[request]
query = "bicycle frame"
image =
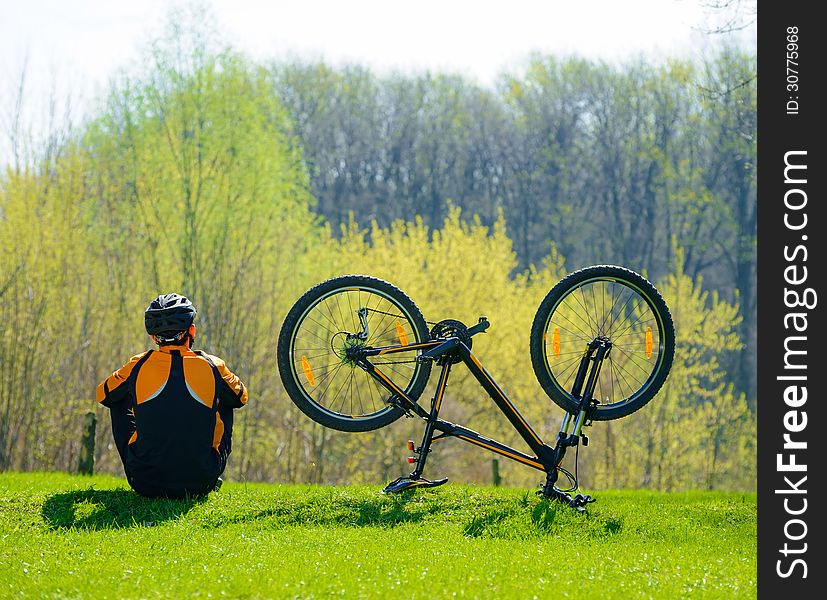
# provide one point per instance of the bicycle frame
(445, 351)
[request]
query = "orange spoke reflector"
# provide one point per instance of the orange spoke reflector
(400, 332)
(649, 342)
(308, 372)
(555, 342)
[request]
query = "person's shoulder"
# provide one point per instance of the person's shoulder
(217, 361)
(138, 357)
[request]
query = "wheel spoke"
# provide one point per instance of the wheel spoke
(605, 306)
(321, 350)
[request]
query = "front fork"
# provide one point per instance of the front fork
(583, 389)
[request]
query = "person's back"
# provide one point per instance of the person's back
(172, 408)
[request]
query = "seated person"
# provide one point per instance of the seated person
(172, 408)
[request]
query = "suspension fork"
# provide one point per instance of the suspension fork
(583, 389)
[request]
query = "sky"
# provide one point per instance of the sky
(75, 46)
(92, 38)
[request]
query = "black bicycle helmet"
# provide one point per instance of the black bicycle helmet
(168, 315)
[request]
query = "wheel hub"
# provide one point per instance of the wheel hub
(348, 347)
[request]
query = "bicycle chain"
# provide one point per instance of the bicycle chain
(382, 312)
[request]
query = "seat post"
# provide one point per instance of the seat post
(436, 403)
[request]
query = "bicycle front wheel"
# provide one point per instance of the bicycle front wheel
(315, 352)
(612, 303)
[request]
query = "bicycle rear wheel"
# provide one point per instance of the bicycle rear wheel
(318, 372)
(608, 302)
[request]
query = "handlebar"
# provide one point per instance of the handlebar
(480, 327)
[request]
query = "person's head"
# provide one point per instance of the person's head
(169, 319)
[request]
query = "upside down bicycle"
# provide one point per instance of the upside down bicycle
(355, 354)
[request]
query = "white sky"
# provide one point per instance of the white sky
(75, 45)
(478, 37)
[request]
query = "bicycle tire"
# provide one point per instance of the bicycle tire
(327, 343)
(652, 327)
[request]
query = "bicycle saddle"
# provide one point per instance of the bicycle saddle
(400, 484)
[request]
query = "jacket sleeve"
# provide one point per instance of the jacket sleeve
(113, 389)
(231, 392)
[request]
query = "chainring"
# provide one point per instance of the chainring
(452, 328)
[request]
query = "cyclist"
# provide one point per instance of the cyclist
(172, 408)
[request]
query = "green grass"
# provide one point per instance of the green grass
(79, 537)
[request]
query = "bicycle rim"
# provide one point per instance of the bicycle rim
(320, 364)
(615, 309)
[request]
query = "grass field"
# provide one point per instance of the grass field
(80, 537)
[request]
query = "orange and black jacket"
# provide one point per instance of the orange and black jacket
(175, 395)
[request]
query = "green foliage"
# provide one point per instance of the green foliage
(460, 271)
(201, 172)
(699, 433)
(189, 180)
(610, 161)
(62, 535)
